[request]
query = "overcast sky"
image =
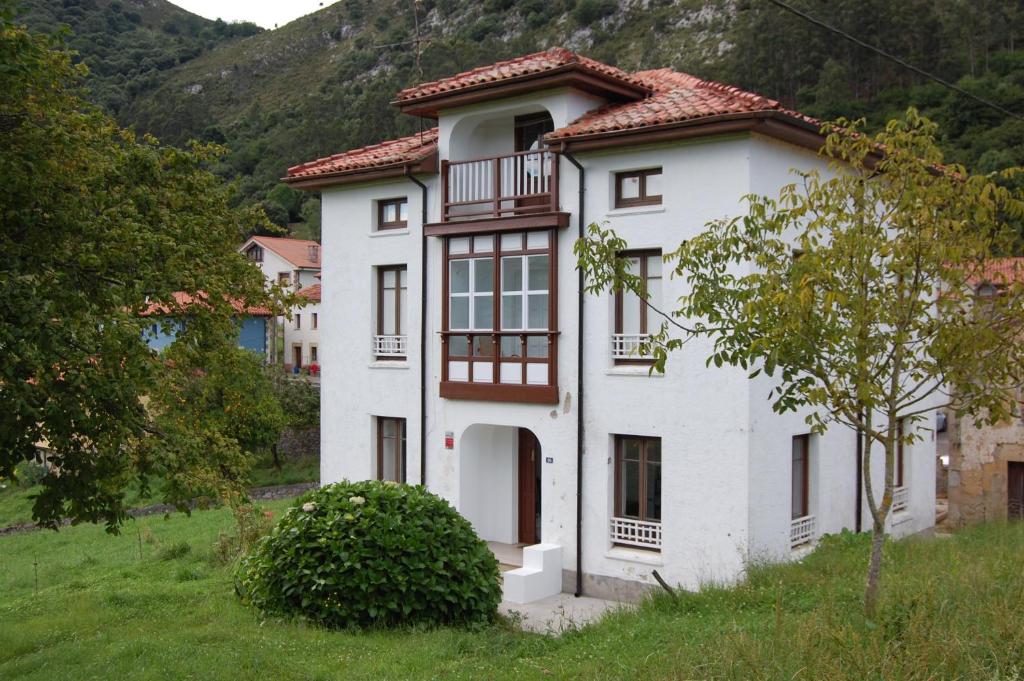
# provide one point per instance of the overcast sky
(266, 13)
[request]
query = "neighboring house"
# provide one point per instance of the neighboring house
(294, 263)
(469, 371)
(303, 331)
(253, 329)
(985, 480)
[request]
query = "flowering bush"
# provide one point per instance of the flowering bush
(364, 553)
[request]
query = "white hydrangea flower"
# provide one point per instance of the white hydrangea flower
(357, 501)
(309, 506)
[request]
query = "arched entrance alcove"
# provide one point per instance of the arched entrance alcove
(499, 483)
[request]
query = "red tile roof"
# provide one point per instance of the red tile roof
(312, 292)
(536, 63)
(183, 301)
(411, 149)
(677, 97)
(295, 251)
(998, 271)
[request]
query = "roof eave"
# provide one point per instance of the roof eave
(427, 164)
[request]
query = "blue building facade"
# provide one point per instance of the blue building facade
(252, 334)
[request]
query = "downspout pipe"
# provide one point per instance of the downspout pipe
(423, 327)
(579, 379)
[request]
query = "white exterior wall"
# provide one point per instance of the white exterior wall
(726, 456)
(306, 336)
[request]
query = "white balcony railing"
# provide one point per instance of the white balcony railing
(900, 499)
(627, 345)
(636, 533)
(390, 346)
(801, 531)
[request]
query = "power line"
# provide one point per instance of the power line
(892, 57)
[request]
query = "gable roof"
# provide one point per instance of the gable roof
(404, 151)
(583, 72)
(312, 292)
(295, 251)
(183, 301)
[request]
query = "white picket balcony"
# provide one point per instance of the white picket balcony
(900, 499)
(632, 532)
(801, 531)
(627, 345)
(390, 346)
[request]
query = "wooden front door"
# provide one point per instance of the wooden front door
(529, 488)
(1015, 491)
(297, 355)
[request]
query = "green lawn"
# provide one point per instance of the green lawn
(952, 609)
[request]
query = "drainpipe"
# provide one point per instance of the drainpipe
(579, 384)
(423, 329)
(860, 472)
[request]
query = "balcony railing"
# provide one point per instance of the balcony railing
(627, 345)
(636, 533)
(801, 531)
(390, 346)
(518, 184)
(900, 499)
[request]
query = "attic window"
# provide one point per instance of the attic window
(255, 253)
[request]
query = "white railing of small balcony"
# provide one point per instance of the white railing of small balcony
(492, 187)
(627, 345)
(900, 499)
(390, 346)
(801, 531)
(640, 533)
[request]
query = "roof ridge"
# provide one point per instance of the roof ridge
(430, 132)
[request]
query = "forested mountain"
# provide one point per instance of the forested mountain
(323, 83)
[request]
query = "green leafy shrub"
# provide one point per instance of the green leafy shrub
(371, 553)
(30, 473)
(174, 551)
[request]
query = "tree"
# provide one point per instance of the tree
(97, 228)
(855, 293)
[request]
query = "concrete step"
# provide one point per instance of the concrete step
(540, 576)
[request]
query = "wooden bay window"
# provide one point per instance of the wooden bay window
(500, 319)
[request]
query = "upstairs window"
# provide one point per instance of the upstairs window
(298, 321)
(284, 278)
(390, 341)
(315, 321)
(638, 188)
(634, 320)
(499, 317)
(392, 214)
(255, 253)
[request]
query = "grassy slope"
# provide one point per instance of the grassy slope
(952, 610)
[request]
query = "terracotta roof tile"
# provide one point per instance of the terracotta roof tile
(183, 301)
(998, 271)
(411, 149)
(312, 292)
(677, 97)
(299, 252)
(538, 62)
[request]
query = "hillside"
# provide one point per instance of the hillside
(323, 83)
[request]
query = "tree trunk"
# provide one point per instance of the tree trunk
(276, 456)
(874, 569)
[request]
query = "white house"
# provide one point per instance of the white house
(295, 263)
(487, 375)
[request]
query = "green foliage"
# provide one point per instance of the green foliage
(174, 551)
(589, 11)
(299, 399)
(30, 473)
(252, 523)
(97, 228)
(373, 553)
(287, 198)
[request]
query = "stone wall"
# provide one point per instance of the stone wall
(298, 443)
(978, 457)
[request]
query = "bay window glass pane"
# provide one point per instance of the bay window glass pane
(511, 242)
(389, 212)
(536, 346)
(458, 245)
(458, 312)
(511, 346)
(538, 272)
(654, 184)
(536, 240)
(512, 312)
(483, 244)
(483, 275)
(458, 279)
(483, 311)
(512, 273)
(458, 346)
(537, 315)
(483, 346)
(403, 214)
(629, 187)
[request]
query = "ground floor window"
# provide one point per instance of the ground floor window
(803, 525)
(390, 449)
(637, 518)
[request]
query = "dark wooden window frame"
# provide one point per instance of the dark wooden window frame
(529, 120)
(497, 391)
(397, 269)
(255, 253)
(898, 474)
(620, 297)
(314, 321)
(313, 354)
(644, 199)
(620, 441)
(298, 321)
(400, 423)
(805, 474)
(398, 222)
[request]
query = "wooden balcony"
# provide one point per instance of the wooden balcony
(523, 185)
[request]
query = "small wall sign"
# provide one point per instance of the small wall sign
(449, 440)
(549, 459)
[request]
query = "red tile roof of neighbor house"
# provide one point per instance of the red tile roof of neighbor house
(999, 271)
(295, 251)
(183, 301)
(312, 292)
(674, 98)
